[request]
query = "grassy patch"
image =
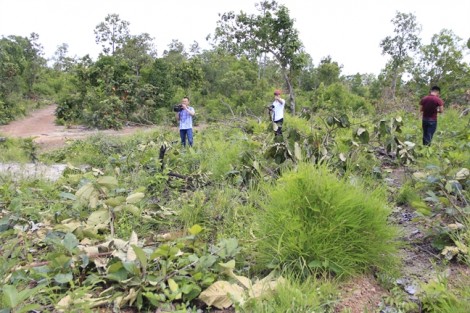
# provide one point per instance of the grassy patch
(314, 222)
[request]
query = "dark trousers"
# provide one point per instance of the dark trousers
(279, 127)
(186, 133)
(429, 128)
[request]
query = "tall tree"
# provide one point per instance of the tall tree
(270, 31)
(62, 62)
(34, 52)
(441, 62)
(137, 51)
(111, 33)
(399, 46)
(328, 71)
(442, 57)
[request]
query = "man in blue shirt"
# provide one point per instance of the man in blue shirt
(185, 118)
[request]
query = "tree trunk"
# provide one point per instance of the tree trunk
(394, 83)
(290, 89)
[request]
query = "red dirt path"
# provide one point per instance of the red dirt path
(40, 124)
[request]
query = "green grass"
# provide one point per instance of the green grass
(294, 296)
(314, 222)
(17, 150)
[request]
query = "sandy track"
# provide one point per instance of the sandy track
(40, 125)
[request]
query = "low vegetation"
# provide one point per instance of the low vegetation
(257, 218)
(243, 221)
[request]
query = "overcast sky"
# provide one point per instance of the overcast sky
(349, 31)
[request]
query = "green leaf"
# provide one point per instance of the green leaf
(173, 285)
(85, 192)
(10, 296)
(107, 181)
(129, 208)
(344, 121)
(15, 204)
(135, 197)
(162, 250)
(63, 278)
(117, 272)
(297, 151)
(67, 195)
(28, 308)
(229, 265)
(131, 268)
(140, 255)
(191, 291)
(363, 135)
(228, 248)
(70, 242)
(196, 229)
(315, 264)
(99, 219)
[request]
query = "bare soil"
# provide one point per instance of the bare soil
(40, 125)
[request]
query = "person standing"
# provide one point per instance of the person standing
(277, 112)
(430, 106)
(185, 119)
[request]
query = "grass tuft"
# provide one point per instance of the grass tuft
(314, 222)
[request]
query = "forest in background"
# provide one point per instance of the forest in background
(251, 55)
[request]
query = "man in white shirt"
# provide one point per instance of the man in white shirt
(277, 111)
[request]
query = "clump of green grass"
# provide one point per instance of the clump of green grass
(314, 222)
(406, 195)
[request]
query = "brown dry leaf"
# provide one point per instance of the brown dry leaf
(89, 251)
(64, 303)
(133, 240)
(219, 294)
(263, 286)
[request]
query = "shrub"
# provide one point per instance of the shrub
(313, 222)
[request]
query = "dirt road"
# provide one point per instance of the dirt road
(40, 124)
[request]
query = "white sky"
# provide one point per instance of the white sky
(349, 31)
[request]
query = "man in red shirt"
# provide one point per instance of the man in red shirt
(430, 105)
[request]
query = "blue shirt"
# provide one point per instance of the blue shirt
(186, 120)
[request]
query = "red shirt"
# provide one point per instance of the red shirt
(429, 106)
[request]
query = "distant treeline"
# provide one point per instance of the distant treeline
(129, 82)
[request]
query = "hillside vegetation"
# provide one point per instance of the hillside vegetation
(244, 220)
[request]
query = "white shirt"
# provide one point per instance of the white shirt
(278, 110)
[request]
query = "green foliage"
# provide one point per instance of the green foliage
(437, 296)
(406, 194)
(313, 222)
(18, 150)
(108, 113)
(271, 31)
(111, 33)
(309, 296)
(338, 98)
(399, 47)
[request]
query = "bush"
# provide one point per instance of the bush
(313, 222)
(338, 98)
